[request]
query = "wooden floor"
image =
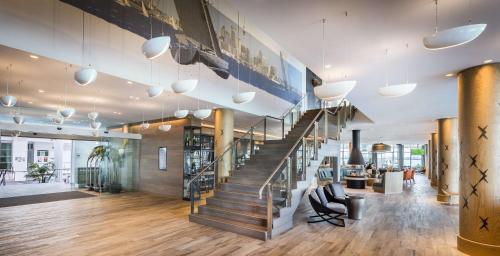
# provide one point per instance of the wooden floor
(412, 223)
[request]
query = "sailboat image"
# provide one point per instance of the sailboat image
(198, 42)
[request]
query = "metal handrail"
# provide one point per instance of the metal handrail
(224, 152)
(236, 141)
(276, 170)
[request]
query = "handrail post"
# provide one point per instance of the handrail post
(304, 157)
(326, 126)
(269, 210)
(315, 140)
(282, 128)
(252, 151)
(265, 128)
(288, 181)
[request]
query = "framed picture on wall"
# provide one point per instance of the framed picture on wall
(162, 158)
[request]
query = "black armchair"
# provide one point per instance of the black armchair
(324, 210)
(335, 193)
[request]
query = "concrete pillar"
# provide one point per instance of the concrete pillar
(429, 161)
(223, 137)
(449, 163)
(479, 140)
(435, 155)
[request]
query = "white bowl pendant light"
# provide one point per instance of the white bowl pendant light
(86, 75)
(66, 112)
(18, 119)
(182, 86)
(243, 97)
(332, 90)
(145, 126)
(58, 119)
(155, 91)
(181, 113)
(164, 127)
(452, 37)
(397, 90)
(95, 125)
(93, 115)
(8, 100)
(155, 46)
(202, 113)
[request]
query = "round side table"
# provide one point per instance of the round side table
(355, 206)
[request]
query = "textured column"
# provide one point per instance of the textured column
(224, 134)
(449, 163)
(401, 156)
(429, 161)
(479, 135)
(435, 155)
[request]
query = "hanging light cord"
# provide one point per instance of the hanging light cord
(83, 38)
(386, 67)
(323, 45)
(65, 86)
(436, 2)
(238, 46)
(407, 51)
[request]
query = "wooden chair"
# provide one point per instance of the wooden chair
(407, 175)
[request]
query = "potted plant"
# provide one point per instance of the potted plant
(41, 173)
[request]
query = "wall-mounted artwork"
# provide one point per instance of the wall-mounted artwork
(162, 158)
(201, 33)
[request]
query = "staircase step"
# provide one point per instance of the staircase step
(234, 215)
(250, 230)
(230, 195)
(248, 180)
(236, 187)
(237, 205)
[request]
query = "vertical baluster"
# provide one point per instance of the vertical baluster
(325, 136)
(315, 140)
(304, 157)
(288, 181)
(269, 210)
(265, 128)
(282, 128)
(252, 150)
(191, 195)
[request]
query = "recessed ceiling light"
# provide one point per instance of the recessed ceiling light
(34, 57)
(41, 91)
(487, 61)
(129, 82)
(449, 75)
(328, 66)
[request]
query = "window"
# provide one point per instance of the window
(6, 156)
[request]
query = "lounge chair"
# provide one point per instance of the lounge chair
(325, 210)
(335, 193)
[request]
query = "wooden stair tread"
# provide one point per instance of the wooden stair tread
(239, 212)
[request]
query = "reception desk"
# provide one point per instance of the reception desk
(392, 183)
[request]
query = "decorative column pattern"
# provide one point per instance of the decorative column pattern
(435, 155)
(401, 156)
(479, 135)
(223, 137)
(449, 163)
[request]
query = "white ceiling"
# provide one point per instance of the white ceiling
(111, 95)
(356, 46)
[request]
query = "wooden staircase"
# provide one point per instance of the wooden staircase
(236, 206)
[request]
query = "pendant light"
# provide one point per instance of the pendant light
(155, 46)
(18, 117)
(452, 37)
(95, 124)
(182, 86)
(205, 112)
(397, 90)
(66, 112)
(381, 148)
(58, 119)
(334, 90)
(86, 75)
(93, 115)
(154, 91)
(164, 127)
(8, 100)
(244, 97)
(144, 124)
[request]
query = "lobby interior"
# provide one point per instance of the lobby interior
(223, 127)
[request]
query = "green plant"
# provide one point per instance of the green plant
(41, 173)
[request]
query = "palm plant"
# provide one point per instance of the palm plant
(41, 173)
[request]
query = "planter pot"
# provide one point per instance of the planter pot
(115, 188)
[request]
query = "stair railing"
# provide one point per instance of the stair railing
(247, 146)
(285, 175)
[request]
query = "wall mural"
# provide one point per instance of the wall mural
(201, 33)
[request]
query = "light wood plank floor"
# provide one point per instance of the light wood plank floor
(412, 223)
